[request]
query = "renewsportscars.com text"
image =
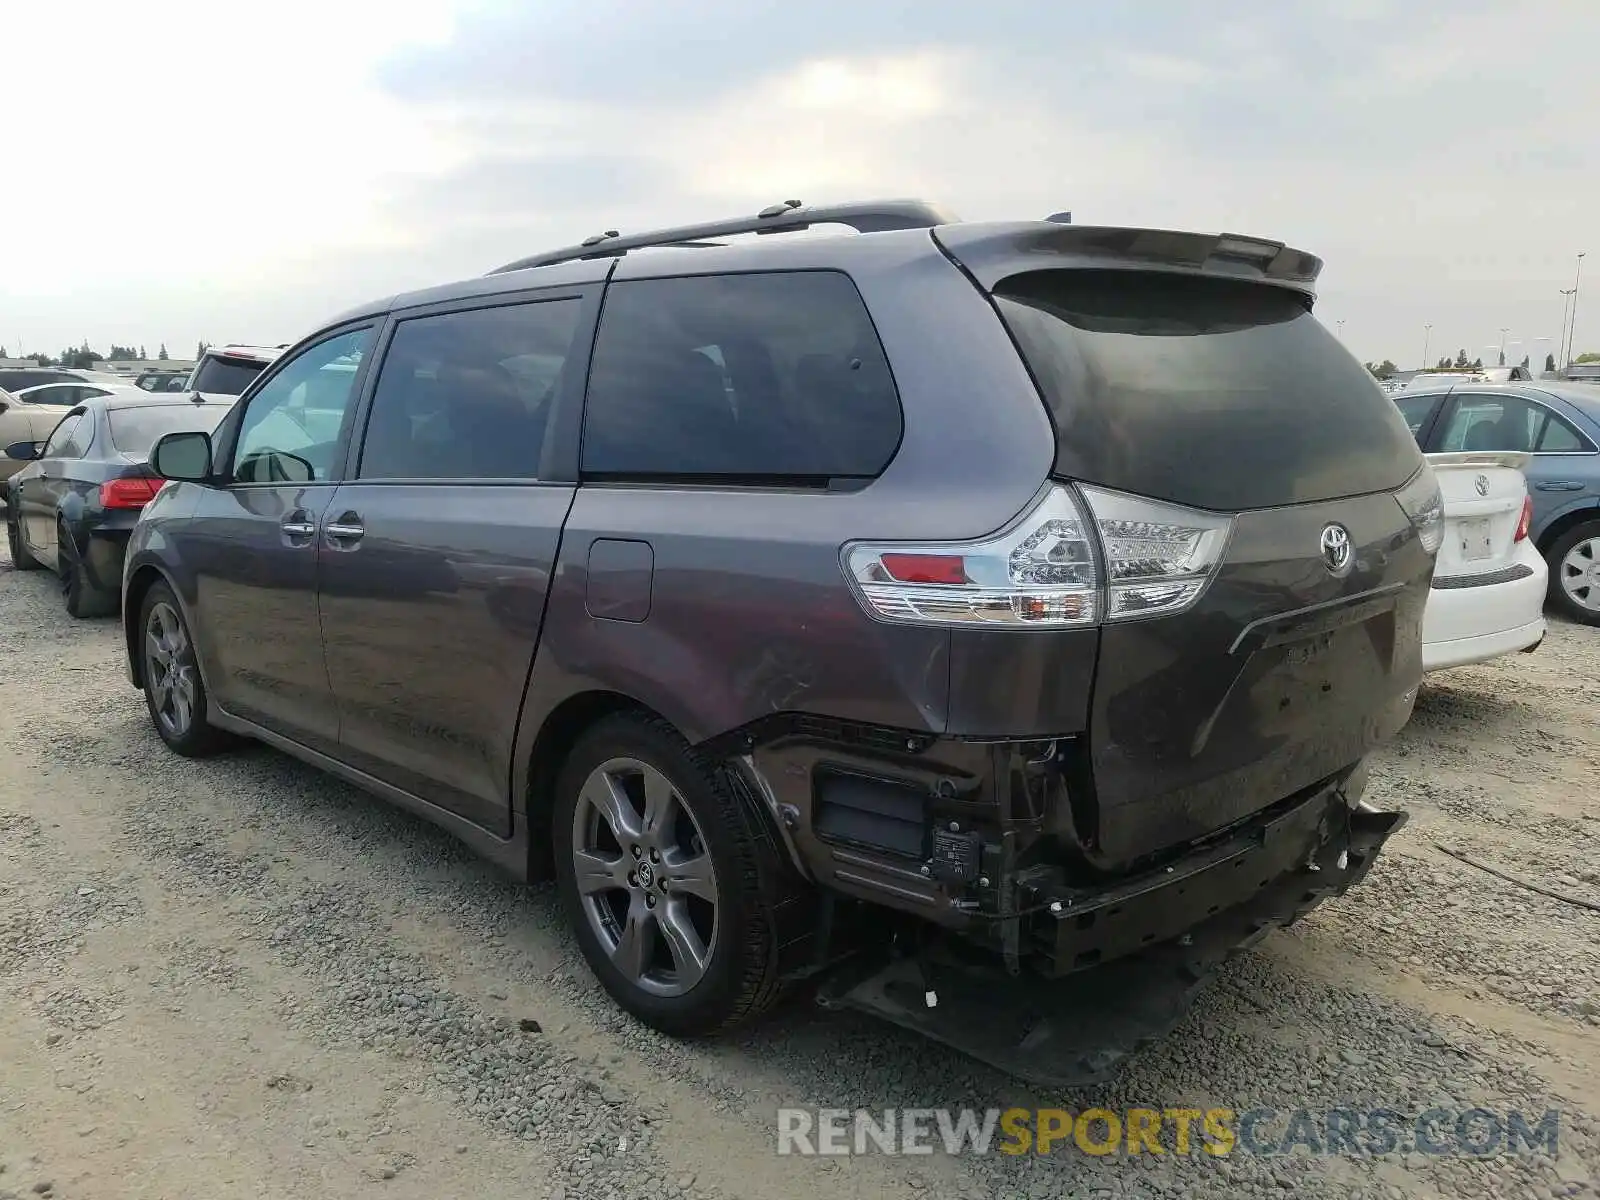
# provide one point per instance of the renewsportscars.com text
(1472, 1132)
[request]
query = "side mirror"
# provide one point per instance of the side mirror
(185, 457)
(25, 451)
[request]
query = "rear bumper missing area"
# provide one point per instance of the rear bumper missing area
(1077, 1029)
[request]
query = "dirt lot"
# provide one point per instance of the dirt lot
(238, 978)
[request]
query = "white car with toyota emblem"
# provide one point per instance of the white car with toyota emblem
(1489, 581)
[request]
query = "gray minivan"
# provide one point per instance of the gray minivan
(921, 607)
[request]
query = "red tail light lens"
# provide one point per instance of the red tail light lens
(925, 568)
(1526, 520)
(128, 493)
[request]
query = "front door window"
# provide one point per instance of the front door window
(291, 430)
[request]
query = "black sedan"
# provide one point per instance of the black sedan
(72, 507)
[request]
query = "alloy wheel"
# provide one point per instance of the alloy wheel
(644, 876)
(1579, 573)
(170, 670)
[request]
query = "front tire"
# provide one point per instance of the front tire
(173, 689)
(1574, 560)
(667, 880)
(83, 599)
(21, 560)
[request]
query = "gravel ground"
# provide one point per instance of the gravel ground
(239, 978)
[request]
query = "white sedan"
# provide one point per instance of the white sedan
(1489, 581)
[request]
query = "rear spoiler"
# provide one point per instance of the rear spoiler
(990, 252)
(1514, 459)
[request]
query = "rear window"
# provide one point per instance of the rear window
(224, 376)
(763, 378)
(1210, 392)
(135, 430)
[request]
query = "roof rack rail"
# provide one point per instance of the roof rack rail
(870, 216)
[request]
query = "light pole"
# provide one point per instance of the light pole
(1572, 336)
(1561, 342)
(1340, 324)
(1427, 333)
(1503, 332)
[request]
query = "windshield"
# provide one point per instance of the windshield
(224, 376)
(135, 430)
(1218, 393)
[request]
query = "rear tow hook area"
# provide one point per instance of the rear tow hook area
(1078, 1029)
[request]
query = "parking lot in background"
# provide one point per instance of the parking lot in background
(238, 970)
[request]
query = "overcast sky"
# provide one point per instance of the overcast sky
(180, 170)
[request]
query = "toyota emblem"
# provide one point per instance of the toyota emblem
(1336, 555)
(1482, 484)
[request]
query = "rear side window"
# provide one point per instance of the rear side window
(225, 376)
(765, 377)
(1560, 438)
(468, 395)
(1486, 422)
(64, 442)
(1217, 393)
(135, 430)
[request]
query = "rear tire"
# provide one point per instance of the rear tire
(670, 885)
(21, 560)
(1574, 560)
(82, 597)
(173, 689)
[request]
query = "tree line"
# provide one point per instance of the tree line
(1386, 368)
(84, 357)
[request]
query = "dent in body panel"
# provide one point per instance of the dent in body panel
(1021, 683)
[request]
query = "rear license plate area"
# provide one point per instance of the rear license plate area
(1477, 540)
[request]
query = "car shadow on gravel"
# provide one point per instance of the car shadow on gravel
(1464, 708)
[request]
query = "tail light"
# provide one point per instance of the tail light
(1158, 556)
(128, 493)
(1072, 560)
(1525, 521)
(1424, 507)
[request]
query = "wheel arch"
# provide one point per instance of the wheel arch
(138, 586)
(560, 730)
(1552, 532)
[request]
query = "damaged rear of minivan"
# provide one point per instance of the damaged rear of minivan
(1226, 568)
(987, 623)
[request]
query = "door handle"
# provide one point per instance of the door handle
(346, 529)
(298, 524)
(1558, 485)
